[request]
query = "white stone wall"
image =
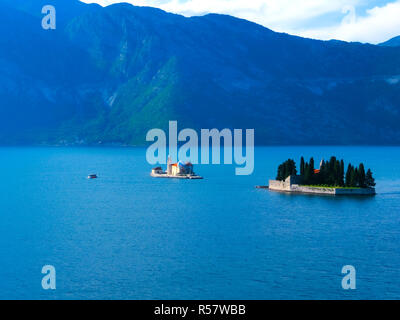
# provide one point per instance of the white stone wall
(303, 189)
(283, 186)
(279, 185)
(289, 186)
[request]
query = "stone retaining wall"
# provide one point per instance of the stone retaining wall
(286, 186)
(279, 185)
(302, 189)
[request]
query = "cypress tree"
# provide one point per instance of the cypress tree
(332, 162)
(302, 165)
(307, 175)
(312, 167)
(361, 176)
(342, 173)
(369, 179)
(348, 175)
(336, 173)
(354, 177)
(322, 173)
(332, 173)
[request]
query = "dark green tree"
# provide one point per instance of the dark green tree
(336, 173)
(369, 179)
(331, 173)
(348, 175)
(286, 169)
(291, 168)
(307, 174)
(341, 173)
(312, 164)
(320, 178)
(354, 178)
(302, 165)
(361, 176)
(280, 174)
(311, 168)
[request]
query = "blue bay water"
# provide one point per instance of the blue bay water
(129, 236)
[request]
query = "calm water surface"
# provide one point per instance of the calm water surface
(128, 236)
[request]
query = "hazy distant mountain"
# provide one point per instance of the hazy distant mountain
(394, 42)
(110, 74)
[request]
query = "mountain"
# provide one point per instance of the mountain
(394, 42)
(111, 74)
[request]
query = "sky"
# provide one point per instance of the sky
(372, 21)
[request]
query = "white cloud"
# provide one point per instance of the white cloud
(379, 23)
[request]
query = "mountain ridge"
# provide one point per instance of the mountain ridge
(122, 70)
(394, 42)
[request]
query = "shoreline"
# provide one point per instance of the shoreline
(167, 176)
(278, 186)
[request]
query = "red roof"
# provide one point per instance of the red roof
(316, 171)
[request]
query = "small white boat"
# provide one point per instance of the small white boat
(92, 176)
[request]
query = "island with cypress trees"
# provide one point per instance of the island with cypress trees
(331, 178)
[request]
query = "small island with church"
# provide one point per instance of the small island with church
(330, 179)
(179, 170)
